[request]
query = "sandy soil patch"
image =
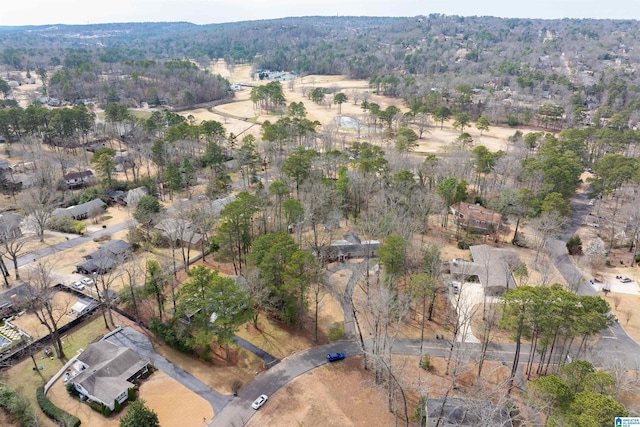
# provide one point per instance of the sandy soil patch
(625, 308)
(175, 404)
(112, 216)
(61, 398)
(179, 407)
(329, 312)
(242, 73)
(340, 392)
(273, 338)
(346, 394)
(216, 374)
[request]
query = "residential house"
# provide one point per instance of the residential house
(78, 179)
(475, 218)
(10, 226)
(13, 299)
(78, 212)
(107, 256)
(492, 267)
(134, 195)
(179, 231)
(104, 372)
(118, 197)
(349, 247)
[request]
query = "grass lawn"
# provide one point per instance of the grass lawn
(25, 380)
(273, 339)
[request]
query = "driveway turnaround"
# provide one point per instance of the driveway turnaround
(141, 344)
(239, 411)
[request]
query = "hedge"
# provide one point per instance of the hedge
(18, 406)
(52, 411)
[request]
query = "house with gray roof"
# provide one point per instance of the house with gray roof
(14, 299)
(349, 247)
(78, 212)
(78, 179)
(104, 372)
(492, 267)
(107, 256)
(179, 231)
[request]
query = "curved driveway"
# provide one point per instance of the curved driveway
(141, 344)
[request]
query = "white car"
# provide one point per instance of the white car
(88, 281)
(78, 285)
(259, 401)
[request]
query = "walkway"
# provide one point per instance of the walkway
(269, 360)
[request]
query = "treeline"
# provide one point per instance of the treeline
(512, 65)
(174, 83)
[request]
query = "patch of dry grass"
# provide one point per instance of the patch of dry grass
(273, 339)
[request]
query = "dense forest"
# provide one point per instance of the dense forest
(503, 68)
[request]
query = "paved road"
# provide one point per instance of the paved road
(615, 343)
(69, 244)
(141, 344)
(239, 411)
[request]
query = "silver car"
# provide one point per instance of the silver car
(259, 401)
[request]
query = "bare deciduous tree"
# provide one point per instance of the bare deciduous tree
(38, 204)
(42, 303)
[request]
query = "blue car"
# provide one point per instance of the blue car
(333, 357)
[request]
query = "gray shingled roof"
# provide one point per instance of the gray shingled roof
(109, 367)
(79, 210)
(493, 267)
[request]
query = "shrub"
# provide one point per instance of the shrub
(54, 412)
(167, 333)
(425, 363)
(17, 406)
(574, 246)
(637, 258)
(463, 245)
(116, 406)
(71, 389)
(420, 413)
(66, 224)
(336, 331)
(131, 394)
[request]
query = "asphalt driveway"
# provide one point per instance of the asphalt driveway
(141, 344)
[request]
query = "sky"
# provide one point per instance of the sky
(44, 12)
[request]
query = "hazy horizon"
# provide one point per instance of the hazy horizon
(201, 12)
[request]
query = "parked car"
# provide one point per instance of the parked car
(88, 281)
(259, 401)
(456, 287)
(625, 279)
(77, 285)
(333, 357)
